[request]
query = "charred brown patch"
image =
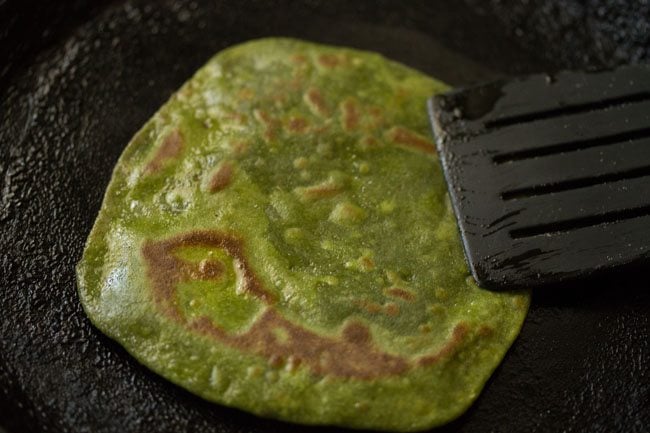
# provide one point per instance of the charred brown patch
(170, 149)
(269, 123)
(398, 292)
(276, 361)
(221, 178)
(350, 114)
(357, 358)
(485, 331)
(357, 333)
(352, 354)
(366, 263)
(369, 306)
(375, 117)
(369, 142)
(293, 362)
(299, 59)
(391, 309)
(210, 270)
(165, 270)
(319, 191)
(330, 60)
(410, 140)
(316, 102)
(297, 125)
(458, 335)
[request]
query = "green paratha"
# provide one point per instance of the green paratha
(278, 238)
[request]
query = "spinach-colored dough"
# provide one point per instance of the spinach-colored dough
(278, 238)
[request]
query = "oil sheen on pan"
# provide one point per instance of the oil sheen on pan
(278, 238)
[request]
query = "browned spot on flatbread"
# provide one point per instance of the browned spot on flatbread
(276, 361)
(366, 263)
(368, 142)
(352, 354)
(323, 355)
(391, 309)
(297, 125)
(357, 333)
(369, 306)
(293, 363)
(170, 149)
(209, 270)
(299, 59)
(485, 331)
(330, 60)
(270, 124)
(316, 102)
(322, 190)
(165, 270)
(398, 292)
(458, 334)
(375, 117)
(221, 177)
(350, 114)
(408, 139)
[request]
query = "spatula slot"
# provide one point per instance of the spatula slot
(624, 157)
(548, 136)
(581, 203)
(571, 146)
(575, 184)
(557, 227)
(567, 110)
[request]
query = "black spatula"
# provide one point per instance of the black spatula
(549, 176)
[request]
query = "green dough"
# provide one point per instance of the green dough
(278, 238)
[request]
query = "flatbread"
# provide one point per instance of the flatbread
(278, 238)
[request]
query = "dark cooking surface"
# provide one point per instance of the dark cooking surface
(581, 362)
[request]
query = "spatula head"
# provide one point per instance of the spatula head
(549, 176)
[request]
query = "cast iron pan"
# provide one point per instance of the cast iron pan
(78, 78)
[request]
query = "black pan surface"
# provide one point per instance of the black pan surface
(78, 78)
